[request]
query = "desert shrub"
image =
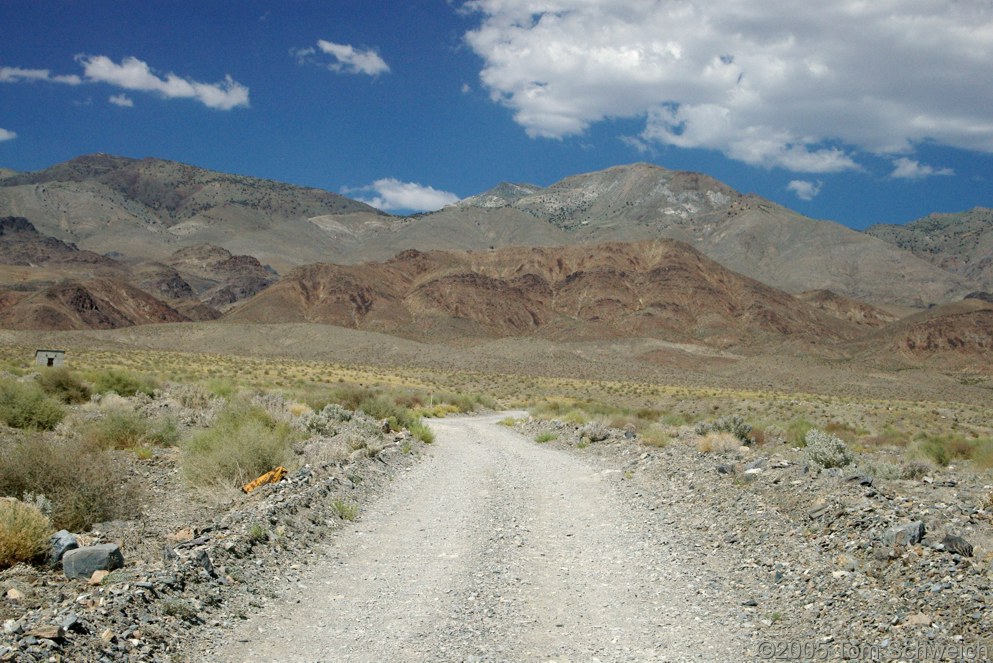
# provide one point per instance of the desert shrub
(915, 469)
(656, 435)
(796, 432)
(122, 383)
(243, 443)
(718, 442)
(943, 449)
(733, 424)
(422, 432)
(383, 407)
(827, 450)
(328, 420)
(63, 384)
(125, 429)
(24, 532)
(83, 485)
(25, 405)
(545, 436)
(345, 509)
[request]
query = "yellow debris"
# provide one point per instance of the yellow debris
(272, 476)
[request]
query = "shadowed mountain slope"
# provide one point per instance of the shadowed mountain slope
(960, 243)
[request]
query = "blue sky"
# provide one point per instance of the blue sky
(845, 110)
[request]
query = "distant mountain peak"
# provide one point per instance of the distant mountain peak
(502, 195)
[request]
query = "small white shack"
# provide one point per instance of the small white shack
(50, 357)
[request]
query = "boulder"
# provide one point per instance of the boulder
(905, 535)
(61, 543)
(957, 545)
(82, 562)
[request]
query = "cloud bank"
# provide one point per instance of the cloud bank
(393, 195)
(133, 74)
(766, 82)
(345, 58)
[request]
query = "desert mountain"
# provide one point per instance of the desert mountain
(844, 308)
(150, 207)
(957, 336)
(960, 243)
(662, 289)
(22, 244)
(98, 303)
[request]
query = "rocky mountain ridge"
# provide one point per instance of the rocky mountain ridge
(150, 208)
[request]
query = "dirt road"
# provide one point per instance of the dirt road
(495, 548)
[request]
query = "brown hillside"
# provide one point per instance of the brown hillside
(848, 309)
(662, 289)
(100, 303)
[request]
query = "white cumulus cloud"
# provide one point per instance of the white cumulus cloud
(391, 194)
(345, 58)
(804, 189)
(19, 75)
(122, 100)
(133, 74)
(7, 135)
(771, 83)
(909, 169)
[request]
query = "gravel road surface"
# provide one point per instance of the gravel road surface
(496, 548)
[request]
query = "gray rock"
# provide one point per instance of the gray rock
(82, 562)
(61, 542)
(957, 545)
(905, 535)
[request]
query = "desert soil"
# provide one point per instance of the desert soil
(494, 548)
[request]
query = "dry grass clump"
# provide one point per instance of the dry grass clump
(121, 428)
(24, 532)
(122, 383)
(718, 442)
(63, 384)
(25, 405)
(84, 485)
(243, 443)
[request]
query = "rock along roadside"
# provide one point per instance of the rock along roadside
(495, 549)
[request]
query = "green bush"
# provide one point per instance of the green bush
(125, 429)
(123, 383)
(25, 405)
(64, 385)
(84, 486)
(422, 432)
(24, 533)
(545, 436)
(827, 450)
(243, 443)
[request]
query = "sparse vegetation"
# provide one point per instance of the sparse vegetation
(64, 385)
(243, 443)
(827, 450)
(733, 424)
(422, 432)
(345, 509)
(125, 429)
(83, 485)
(545, 436)
(24, 532)
(25, 405)
(122, 383)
